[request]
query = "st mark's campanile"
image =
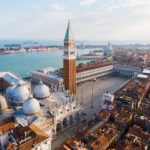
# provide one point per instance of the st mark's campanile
(69, 61)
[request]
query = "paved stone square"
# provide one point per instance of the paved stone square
(110, 84)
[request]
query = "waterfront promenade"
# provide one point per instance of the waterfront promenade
(110, 84)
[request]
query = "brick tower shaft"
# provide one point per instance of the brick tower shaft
(69, 61)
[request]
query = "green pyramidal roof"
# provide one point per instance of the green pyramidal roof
(69, 34)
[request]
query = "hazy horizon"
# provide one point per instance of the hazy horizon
(28, 42)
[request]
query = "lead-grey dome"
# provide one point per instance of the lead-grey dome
(20, 93)
(9, 90)
(109, 47)
(31, 106)
(41, 91)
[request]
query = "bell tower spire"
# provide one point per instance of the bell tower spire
(69, 34)
(69, 60)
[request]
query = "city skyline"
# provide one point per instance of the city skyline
(91, 19)
(74, 75)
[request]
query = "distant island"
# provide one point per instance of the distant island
(12, 45)
(30, 42)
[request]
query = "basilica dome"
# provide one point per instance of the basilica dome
(41, 91)
(109, 47)
(3, 103)
(20, 93)
(31, 106)
(9, 90)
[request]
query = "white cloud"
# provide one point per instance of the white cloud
(87, 2)
(51, 25)
(115, 20)
(36, 6)
(58, 7)
(125, 4)
(6, 18)
(134, 3)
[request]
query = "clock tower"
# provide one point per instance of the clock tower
(69, 61)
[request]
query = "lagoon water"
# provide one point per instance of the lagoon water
(23, 63)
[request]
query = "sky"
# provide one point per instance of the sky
(90, 19)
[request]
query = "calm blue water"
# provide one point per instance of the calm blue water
(25, 62)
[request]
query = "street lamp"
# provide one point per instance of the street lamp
(82, 96)
(92, 99)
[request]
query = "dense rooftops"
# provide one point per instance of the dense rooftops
(6, 127)
(26, 137)
(101, 132)
(93, 65)
(122, 127)
(132, 92)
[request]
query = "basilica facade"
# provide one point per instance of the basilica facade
(51, 111)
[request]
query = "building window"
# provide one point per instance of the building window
(72, 52)
(66, 53)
